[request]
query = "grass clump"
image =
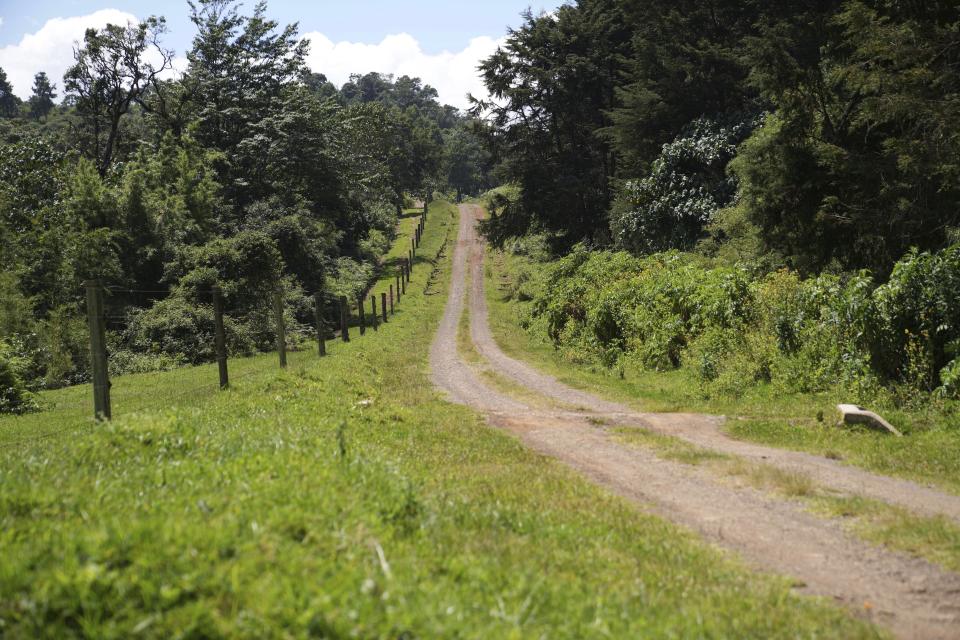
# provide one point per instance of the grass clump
(667, 447)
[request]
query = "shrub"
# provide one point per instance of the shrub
(668, 208)
(181, 331)
(731, 331)
(374, 246)
(349, 278)
(65, 348)
(14, 396)
(648, 307)
(918, 316)
(123, 361)
(950, 378)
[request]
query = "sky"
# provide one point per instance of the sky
(439, 41)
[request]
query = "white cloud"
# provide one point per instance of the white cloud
(453, 75)
(51, 48)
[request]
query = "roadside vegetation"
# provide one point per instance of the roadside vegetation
(743, 208)
(594, 306)
(343, 497)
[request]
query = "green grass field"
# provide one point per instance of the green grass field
(930, 452)
(343, 497)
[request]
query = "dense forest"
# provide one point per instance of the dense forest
(782, 181)
(247, 170)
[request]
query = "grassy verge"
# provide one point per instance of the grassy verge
(342, 497)
(935, 539)
(488, 374)
(930, 453)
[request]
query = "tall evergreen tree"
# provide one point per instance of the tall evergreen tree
(9, 103)
(44, 93)
(552, 86)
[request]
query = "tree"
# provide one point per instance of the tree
(465, 161)
(9, 103)
(41, 102)
(239, 68)
(687, 184)
(111, 74)
(686, 63)
(552, 85)
(860, 160)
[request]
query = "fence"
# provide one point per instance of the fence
(329, 315)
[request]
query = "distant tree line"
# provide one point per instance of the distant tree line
(816, 134)
(247, 170)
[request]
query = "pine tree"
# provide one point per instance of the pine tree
(44, 93)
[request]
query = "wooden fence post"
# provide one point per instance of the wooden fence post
(281, 328)
(344, 319)
(409, 264)
(403, 278)
(383, 305)
(98, 350)
(373, 311)
(220, 337)
(318, 318)
(391, 295)
(363, 319)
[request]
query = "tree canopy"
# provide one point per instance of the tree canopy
(855, 160)
(248, 171)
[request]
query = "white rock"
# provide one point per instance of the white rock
(853, 414)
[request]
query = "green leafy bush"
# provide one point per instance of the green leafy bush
(668, 208)
(14, 395)
(180, 330)
(732, 331)
(65, 348)
(612, 304)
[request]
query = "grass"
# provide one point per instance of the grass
(668, 447)
(498, 382)
(930, 452)
(343, 497)
(936, 539)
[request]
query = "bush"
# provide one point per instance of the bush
(950, 380)
(374, 246)
(123, 361)
(65, 348)
(917, 316)
(732, 331)
(14, 396)
(613, 304)
(668, 208)
(181, 331)
(350, 278)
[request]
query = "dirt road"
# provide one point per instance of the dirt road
(912, 597)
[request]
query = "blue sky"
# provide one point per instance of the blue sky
(439, 41)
